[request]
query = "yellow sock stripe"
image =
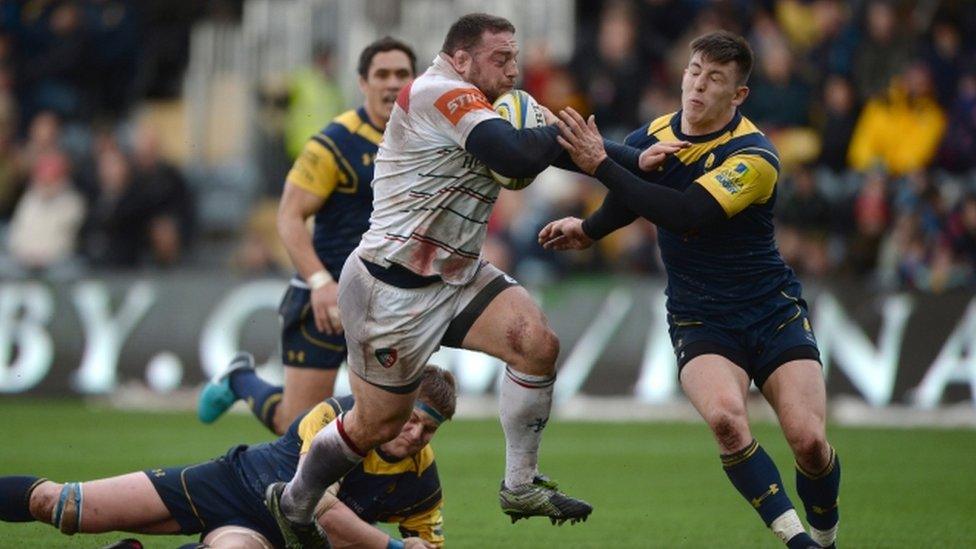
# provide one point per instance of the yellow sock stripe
(823, 510)
(827, 470)
(731, 460)
(266, 407)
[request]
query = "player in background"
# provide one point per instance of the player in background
(331, 181)
(223, 499)
(707, 177)
(417, 279)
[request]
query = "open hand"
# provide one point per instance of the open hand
(582, 139)
(565, 234)
(654, 156)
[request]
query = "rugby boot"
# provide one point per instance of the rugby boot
(217, 396)
(297, 536)
(542, 498)
(127, 543)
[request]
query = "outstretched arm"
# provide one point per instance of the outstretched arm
(674, 210)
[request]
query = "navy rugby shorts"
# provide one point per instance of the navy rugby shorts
(758, 338)
(206, 496)
(302, 345)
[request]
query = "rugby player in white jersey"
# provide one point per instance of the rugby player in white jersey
(417, 280)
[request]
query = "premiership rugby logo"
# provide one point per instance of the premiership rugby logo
(386, 356)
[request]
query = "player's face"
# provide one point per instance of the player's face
(494, 64)
(710, 91)
(414, 435)
(389, 72)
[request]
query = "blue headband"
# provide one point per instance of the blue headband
(429, 410)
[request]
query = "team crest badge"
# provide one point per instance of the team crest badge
(709, 161)
(386, 356)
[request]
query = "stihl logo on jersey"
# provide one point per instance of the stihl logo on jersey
(457, 103)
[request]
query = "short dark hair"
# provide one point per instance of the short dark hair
(438, 389)
(466, 32)
(724, 46)
(387, 43)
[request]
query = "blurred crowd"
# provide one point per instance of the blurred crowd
(84, 184)
(871, 105)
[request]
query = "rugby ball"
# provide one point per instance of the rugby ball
(522, 111)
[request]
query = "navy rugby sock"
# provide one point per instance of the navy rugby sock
(15, 498)
(819, 493)
(755, 476)
(261, 397)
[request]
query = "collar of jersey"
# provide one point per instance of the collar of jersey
(676, 128)
(361, 111)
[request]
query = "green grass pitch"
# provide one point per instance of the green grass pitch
(652, 484)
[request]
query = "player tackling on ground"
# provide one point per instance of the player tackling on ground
(417, 279)
(707, 178)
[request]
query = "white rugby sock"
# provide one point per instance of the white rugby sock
(824, 537)
(524, 404)
(329, 458)
(787, 525)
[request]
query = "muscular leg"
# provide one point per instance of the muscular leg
(127, 502)
(796, 392)
(514, 329)
(377, 418)
(304, 388)
(718, 389)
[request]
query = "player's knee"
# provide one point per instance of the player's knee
(731, 429)
(43, 499)
(810, 449)
(538, 348)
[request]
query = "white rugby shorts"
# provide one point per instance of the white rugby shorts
(391, 332)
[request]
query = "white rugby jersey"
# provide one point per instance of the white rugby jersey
(431, 199)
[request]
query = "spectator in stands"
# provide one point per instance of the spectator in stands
(53, 73)
(943, 53)
(901, 129)
(778, 97)
(804, 222)
(173, 211)
(883, 53)
(837, 122)
(549, 82)
(314, 96)
(871, 215)
(957, 152)
(45, 224)
(117, 225)
(834, 40)
(114, 31)
(611, 72)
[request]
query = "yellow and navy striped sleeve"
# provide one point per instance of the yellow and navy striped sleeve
(428, 525)
(316, 169)
(314, 421)
(746, 177)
